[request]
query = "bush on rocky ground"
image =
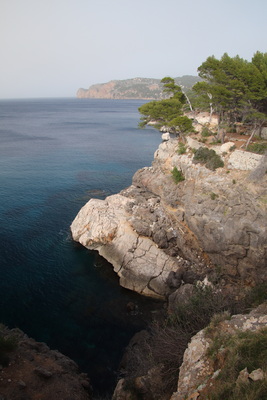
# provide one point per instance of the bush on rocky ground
(208, 157)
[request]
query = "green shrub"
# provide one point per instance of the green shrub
(142, 124)
(177, 175)
(182, 124)
(206, 132)
(181, 148)
(213, 196)
(7, 343)
(208, 157)
(258, 148)
(214, 163)
(256, 295)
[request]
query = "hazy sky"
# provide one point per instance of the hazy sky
(50, 48)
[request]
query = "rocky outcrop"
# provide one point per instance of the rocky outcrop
(107, 226)
(30, 370)
(198, 372)
(211, 224)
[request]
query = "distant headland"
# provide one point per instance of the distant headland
(135, 88)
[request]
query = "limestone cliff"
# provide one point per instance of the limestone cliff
(158, 234)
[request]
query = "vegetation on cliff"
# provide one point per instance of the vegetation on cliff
(241, 362)
(208, 157)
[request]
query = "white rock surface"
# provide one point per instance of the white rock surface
(194, 144)
(165, 136)
(243, 160)
(257, 375)
(103, 225)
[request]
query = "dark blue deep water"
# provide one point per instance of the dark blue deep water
(55, 154)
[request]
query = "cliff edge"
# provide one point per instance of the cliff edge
(158, 234)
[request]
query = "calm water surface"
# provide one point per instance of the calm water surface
(55, 154)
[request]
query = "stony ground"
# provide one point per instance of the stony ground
(34, 372)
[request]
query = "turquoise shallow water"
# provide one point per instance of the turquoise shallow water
(55, 155)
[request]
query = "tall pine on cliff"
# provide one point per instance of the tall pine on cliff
(168, 112)
(235, 89)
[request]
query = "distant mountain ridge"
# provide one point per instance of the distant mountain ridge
(135, 88)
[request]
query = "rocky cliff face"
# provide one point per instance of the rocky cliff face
(161, 237)
(158, 234)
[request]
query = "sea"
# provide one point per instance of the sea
(56, 154)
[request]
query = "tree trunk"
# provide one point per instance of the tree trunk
(254, 130)
(211, 108)
(187, 99)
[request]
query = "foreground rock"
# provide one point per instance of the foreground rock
(158, 234)
(32, 371)
(198, 373)
(229, 352)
